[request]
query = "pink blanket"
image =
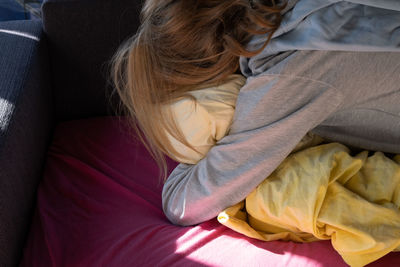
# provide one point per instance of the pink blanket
(99, 204)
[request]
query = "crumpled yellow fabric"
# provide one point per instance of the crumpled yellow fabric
(318, 192)
(325, 193)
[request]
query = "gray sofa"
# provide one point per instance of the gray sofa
(51, 70)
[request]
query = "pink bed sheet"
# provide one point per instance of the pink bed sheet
(99, 204)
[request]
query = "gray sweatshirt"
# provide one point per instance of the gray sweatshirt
(349, 97)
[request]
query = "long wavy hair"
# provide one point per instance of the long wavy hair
(181, 45)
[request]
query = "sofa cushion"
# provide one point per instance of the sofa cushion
(99, 204)
(26, 123)
(83, 35)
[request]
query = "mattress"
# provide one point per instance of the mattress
(99, 204)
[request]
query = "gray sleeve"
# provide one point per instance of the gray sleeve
(272, 114)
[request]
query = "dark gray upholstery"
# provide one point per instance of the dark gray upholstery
(26, 123)
(83, 35)
(50, 72)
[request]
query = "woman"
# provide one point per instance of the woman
(295, 84)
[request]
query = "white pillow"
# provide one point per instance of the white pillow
(205, 119)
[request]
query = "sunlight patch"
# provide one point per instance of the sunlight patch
(6, 109)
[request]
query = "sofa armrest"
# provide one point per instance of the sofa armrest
(26, 125)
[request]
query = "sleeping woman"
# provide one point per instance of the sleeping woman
(326, 67)
(321, 191)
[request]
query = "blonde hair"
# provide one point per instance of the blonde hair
(181, 45)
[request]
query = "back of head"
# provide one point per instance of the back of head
(181, 45)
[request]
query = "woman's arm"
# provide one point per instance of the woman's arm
(273, 113)
(275, 110)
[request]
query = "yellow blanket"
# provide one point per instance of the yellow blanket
(317, 193)
(325, 193)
